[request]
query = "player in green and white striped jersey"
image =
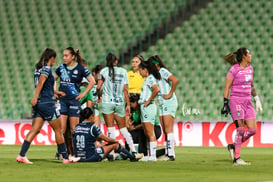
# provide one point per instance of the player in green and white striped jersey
(147, 105)
(113, 81)
(167, 104)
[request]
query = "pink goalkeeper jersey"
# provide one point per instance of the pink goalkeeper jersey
(242, 79)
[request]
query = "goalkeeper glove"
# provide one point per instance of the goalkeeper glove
(258, 104)
(225, 110)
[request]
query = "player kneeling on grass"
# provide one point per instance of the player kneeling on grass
(87, 133)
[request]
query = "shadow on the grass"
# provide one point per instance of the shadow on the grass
(46, 160)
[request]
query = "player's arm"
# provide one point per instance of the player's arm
(107, 139)
(256, 98)
(38, 89)
(227, 87)
(153, 95)
(88, 88)
(225, 109)
(57, 93)
(99, 91)
(174, 81)
(253, 90)
(127, 99)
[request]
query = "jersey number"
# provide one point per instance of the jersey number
(80, 141)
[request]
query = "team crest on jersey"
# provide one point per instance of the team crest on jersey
(75, 72)
(238, 114)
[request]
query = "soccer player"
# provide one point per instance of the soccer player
(147, 104)
(239, 80)
(96, 72)
(114, 83)
(44, 107)
(136, 129)
(167, 104)
(71, 74)
(87, 133)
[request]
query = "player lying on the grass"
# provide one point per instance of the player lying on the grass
(87, 133)
(44, 108)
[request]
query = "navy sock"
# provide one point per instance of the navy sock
(62, 150)
(24, 148)
(124, 153)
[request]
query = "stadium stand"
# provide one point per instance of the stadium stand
(192, 52)
(93, 26)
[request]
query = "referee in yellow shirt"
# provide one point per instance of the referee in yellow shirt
(135, 79)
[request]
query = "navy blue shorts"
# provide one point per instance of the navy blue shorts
(70, 107)
(47, 111)
(97, 157)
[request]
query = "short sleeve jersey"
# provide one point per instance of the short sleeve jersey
(135, 82)
(87, 97)
(47, 92)
(164, 85)
(242, 79)
(146, 90)
(85, 135)
(94, 93)
(75, 75)
(112, 91)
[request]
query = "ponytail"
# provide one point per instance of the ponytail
(235, 57)
(230, 58)
(77, 54)
(47, 54)
(110, 59)
(158, 61)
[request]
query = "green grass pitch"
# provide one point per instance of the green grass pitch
(192, 164)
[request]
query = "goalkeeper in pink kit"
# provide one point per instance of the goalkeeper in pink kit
(239, 81)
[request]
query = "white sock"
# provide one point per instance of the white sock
(166, 147)
(152, 149)
(111, 134)
(148, 148)
(170, 141)
(128, 138)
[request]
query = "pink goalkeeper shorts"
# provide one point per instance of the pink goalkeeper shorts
(241, 108)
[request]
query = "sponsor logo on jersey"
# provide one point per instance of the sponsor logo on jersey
(75, 72)
(245, 71)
